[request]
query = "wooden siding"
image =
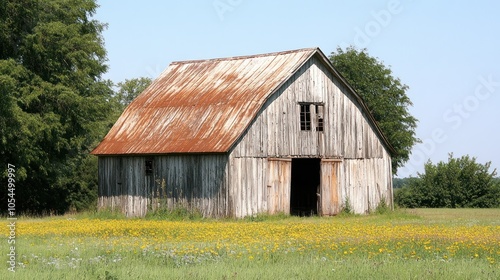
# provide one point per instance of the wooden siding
(122, 185)
(260, 185)
(276, 130)
(365, 183)
(191, 181)
(248, 187)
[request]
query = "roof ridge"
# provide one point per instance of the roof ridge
(243, 56)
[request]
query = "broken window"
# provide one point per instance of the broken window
(319, 117)
(308, 109)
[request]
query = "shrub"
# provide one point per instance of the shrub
(382, 207)
(346, 209)
(460, 182)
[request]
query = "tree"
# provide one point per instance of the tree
(54, 103)
(130, 89)
(400, 182)
(460, 182)
(384, 95)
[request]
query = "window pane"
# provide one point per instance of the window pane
(319, 117)
(305, 117)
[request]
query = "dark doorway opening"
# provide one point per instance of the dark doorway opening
(305, 186)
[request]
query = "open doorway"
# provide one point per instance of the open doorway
(305, 186)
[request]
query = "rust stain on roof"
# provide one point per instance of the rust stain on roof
(200, 106)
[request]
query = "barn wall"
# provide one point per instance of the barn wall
(248, 185)
(365, 182)
(191, 181)
(122, 185)
(262, 185)
(364, 172)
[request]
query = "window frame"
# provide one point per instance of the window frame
(312, 118)
(305, 117)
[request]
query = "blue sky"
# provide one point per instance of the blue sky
(448, 53)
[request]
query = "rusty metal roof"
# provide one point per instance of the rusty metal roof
(200, 106)
(204, 106)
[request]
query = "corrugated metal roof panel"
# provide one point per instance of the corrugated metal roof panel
(200, 106)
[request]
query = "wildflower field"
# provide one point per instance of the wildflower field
(427, 243)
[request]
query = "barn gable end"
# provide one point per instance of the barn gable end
(355, 165)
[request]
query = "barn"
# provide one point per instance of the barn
(270, 133)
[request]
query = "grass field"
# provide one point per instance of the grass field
(406, 244)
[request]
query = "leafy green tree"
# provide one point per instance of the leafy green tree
(460, 182)
(385, 96)
(54, 103)
(130, 89)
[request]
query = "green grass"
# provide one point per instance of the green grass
(103, 214)
(286, 267)
(85, 257)
(465, 216)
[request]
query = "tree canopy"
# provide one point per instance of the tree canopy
(54, 102)
(385, 96)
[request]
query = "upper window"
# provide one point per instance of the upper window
(305, 116)
(307, 110)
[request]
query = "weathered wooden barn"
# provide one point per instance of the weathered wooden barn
(278, 132)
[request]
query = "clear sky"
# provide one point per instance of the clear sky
(447, 52)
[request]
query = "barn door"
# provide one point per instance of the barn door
(329, 191)
(278, 186)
